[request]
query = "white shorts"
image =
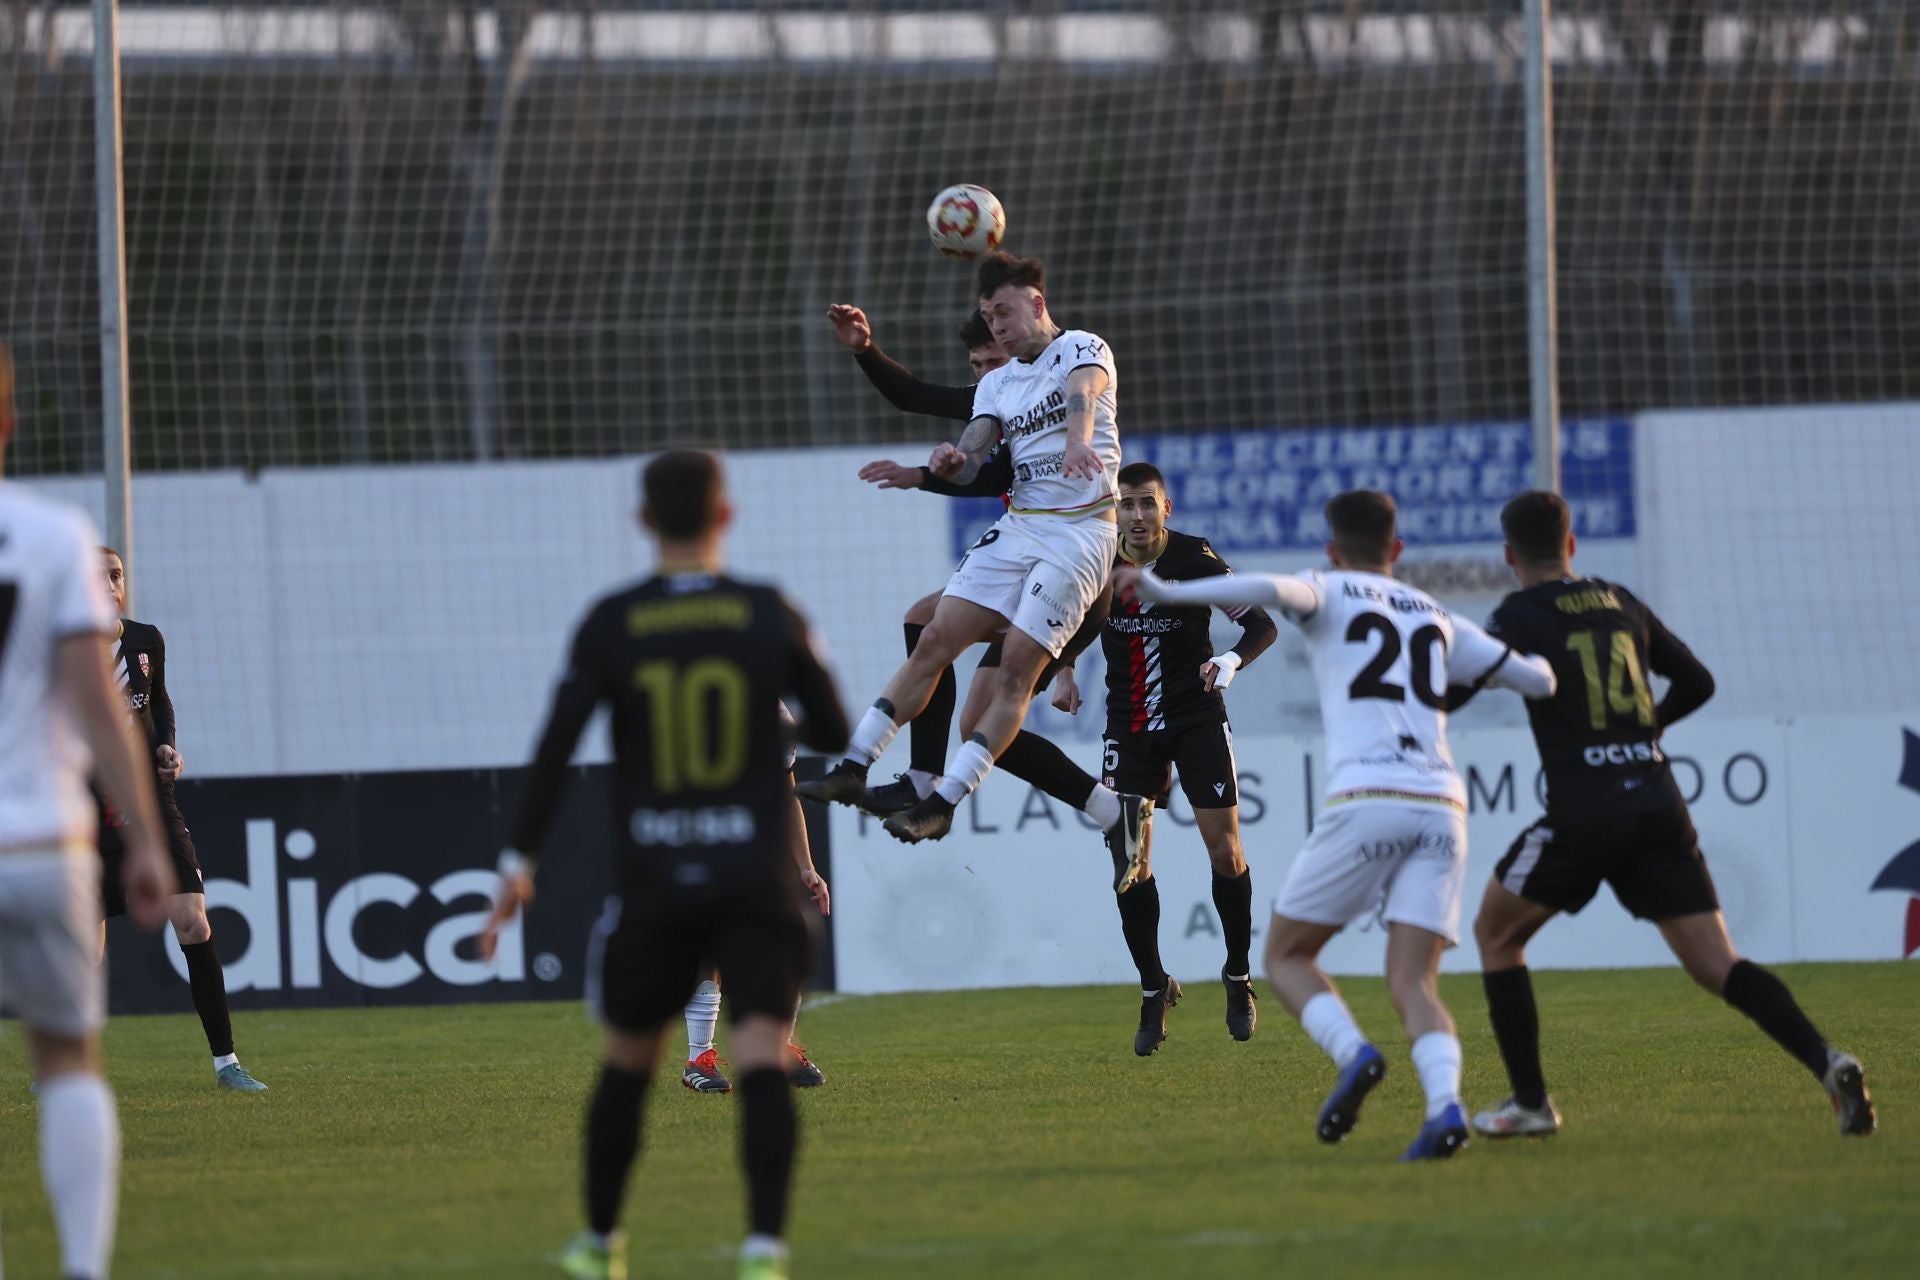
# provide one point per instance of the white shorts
(50, 970)
(1040, 573)
(1410, 859)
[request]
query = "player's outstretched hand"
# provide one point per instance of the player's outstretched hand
(516, 891)
(946, 461)
(817, 886)
(169, 762)
(150, 883)
(890, 475)
(1125, 578)
(1066, 692)
(850, 327)
(1081, 461)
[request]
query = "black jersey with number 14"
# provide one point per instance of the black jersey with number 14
(1599, 736)
(694, 667)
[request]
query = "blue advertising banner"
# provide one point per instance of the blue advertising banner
(1262, 489)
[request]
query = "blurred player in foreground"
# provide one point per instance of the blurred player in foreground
(694, 665)
(140, 668)
(1394, 826)
(702, 1073)
(1614, 814)
(58, 707)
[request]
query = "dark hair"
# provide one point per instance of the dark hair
(6, 378)
(999, 270)
(1537, 524)
(975, 332)
(682, 489)
(1362, 521)
(1139, 473)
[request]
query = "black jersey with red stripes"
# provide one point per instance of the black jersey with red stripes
(1155, 652)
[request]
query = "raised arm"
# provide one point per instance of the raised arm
(1476, 660)
(903, 389)
(1295, 596)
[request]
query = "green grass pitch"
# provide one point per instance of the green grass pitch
(1014, 1134)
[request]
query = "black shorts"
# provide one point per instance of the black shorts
(1652, 860)
(186, 861)
(1141, 763)
(649, 951)
(991, 658)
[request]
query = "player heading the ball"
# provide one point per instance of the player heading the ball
(1038, 570)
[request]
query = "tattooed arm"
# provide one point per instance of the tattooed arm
(1084, 386)
(962, 462)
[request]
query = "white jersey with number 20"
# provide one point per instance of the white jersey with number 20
(1384, 654)
(50, 589)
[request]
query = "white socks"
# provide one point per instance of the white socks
(80, 1162)
(1436, 1056)
(1103, 806)
(225, 1060)
(703, 1014)
(968, 769)
(1330, 1023)
(871, 736)
(922, 782)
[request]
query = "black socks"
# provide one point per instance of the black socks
(1233, 899)
(1764, 998)
(613, 1140)
(1140, 923)
(208, 982)
(1516, 1026)
(769, 1136)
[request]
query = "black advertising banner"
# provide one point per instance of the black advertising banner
(370, 889)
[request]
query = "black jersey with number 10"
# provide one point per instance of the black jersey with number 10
(694, 668)
(1599, 736)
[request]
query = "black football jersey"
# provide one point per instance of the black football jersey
(1155, 652)
(140, 667)
(1599, 735)
(694, 668)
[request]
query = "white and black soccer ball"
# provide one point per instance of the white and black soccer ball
(966, 221)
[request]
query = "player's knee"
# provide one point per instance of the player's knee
(190, 925)
(1227, 857)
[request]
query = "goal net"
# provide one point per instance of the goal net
(412, 286)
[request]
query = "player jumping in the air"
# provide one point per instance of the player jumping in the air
(57, 708)
(140, 666)
(1035, 574)
(1614, 814)
(1164, 713)
(694, 664)
(1394, 827)
(1029, 757)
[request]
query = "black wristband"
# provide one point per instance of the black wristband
(926, 473)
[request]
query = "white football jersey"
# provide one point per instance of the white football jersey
(1384, 654)
(1030, 400)
(50, 588)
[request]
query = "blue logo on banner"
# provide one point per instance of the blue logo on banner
(1263, 489)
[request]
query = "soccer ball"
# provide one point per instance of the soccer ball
(966, 221)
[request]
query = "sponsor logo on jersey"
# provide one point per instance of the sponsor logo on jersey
(1602, 754)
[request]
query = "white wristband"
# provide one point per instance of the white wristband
(513, 864)
(1228, 663)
